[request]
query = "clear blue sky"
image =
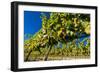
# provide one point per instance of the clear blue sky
(32, 21)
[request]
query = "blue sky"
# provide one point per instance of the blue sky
(33, 22)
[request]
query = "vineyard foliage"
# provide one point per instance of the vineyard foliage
(56, 40)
